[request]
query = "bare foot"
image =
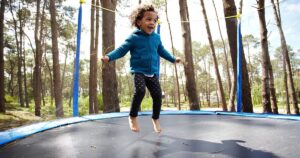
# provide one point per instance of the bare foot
(133, 124)
(156, 126)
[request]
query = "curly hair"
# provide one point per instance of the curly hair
(139, 12)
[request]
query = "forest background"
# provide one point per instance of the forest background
(39, 45)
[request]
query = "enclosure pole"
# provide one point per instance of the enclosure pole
(76, 68)
(239, 65)
(158, 27)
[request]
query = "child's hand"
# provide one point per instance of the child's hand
(177, 60)
(105, 59)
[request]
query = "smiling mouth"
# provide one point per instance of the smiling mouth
(151, 27)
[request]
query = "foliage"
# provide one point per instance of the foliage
(83, 105)
(146, 104)
(11, 102)
(256, 95)
(100, 102)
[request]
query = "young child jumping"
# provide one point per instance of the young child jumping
(145, 47)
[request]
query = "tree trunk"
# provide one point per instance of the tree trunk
(23, 58)
(183, 87)
(92, 53)
(2, 95)
(43, 88)
(231, 25)
(93, 105)
(287, 100)
(19, 75)
(50, 80)
(173, 50)
(265, 54)
(110, 84)
(11, 74)
(164, 79)
(286, 58)
(64, 70)
(217, 73)
(37, 68)
(250, 67)
(19, 61)
(95, 62)
(72, 88)
(272, 89)
(224, 49)
(208, 85)
(56, 67)
(188, 65)
(25, 81)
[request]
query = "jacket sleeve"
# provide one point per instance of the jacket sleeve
(120, 51)
(164, 53)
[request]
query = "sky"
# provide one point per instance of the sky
(290, 14)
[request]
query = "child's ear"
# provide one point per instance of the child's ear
(138, 22)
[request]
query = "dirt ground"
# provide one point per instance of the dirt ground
(12, 119)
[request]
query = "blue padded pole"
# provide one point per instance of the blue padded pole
(76, 69)
(158, 28)
(239, 66)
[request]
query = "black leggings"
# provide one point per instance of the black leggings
(152, 83)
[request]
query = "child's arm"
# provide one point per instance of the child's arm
(117, 53)
(166, 55)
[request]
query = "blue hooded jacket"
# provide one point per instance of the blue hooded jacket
(144, 50)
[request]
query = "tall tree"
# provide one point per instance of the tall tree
(214, 58)
(19, 63)
(2, 102)
(189, 64)
(173, 50)
(286, 58)
(38, 34)
(231, 25)
(286, 89)
(272, 86)
(59, 112)
(224, 49)
(249, 40)
(93, 105)
(264, 55)
(110, 84)
(21, 18)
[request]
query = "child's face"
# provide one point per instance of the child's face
(148, 22)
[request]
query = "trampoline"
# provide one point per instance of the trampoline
(185, 134)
